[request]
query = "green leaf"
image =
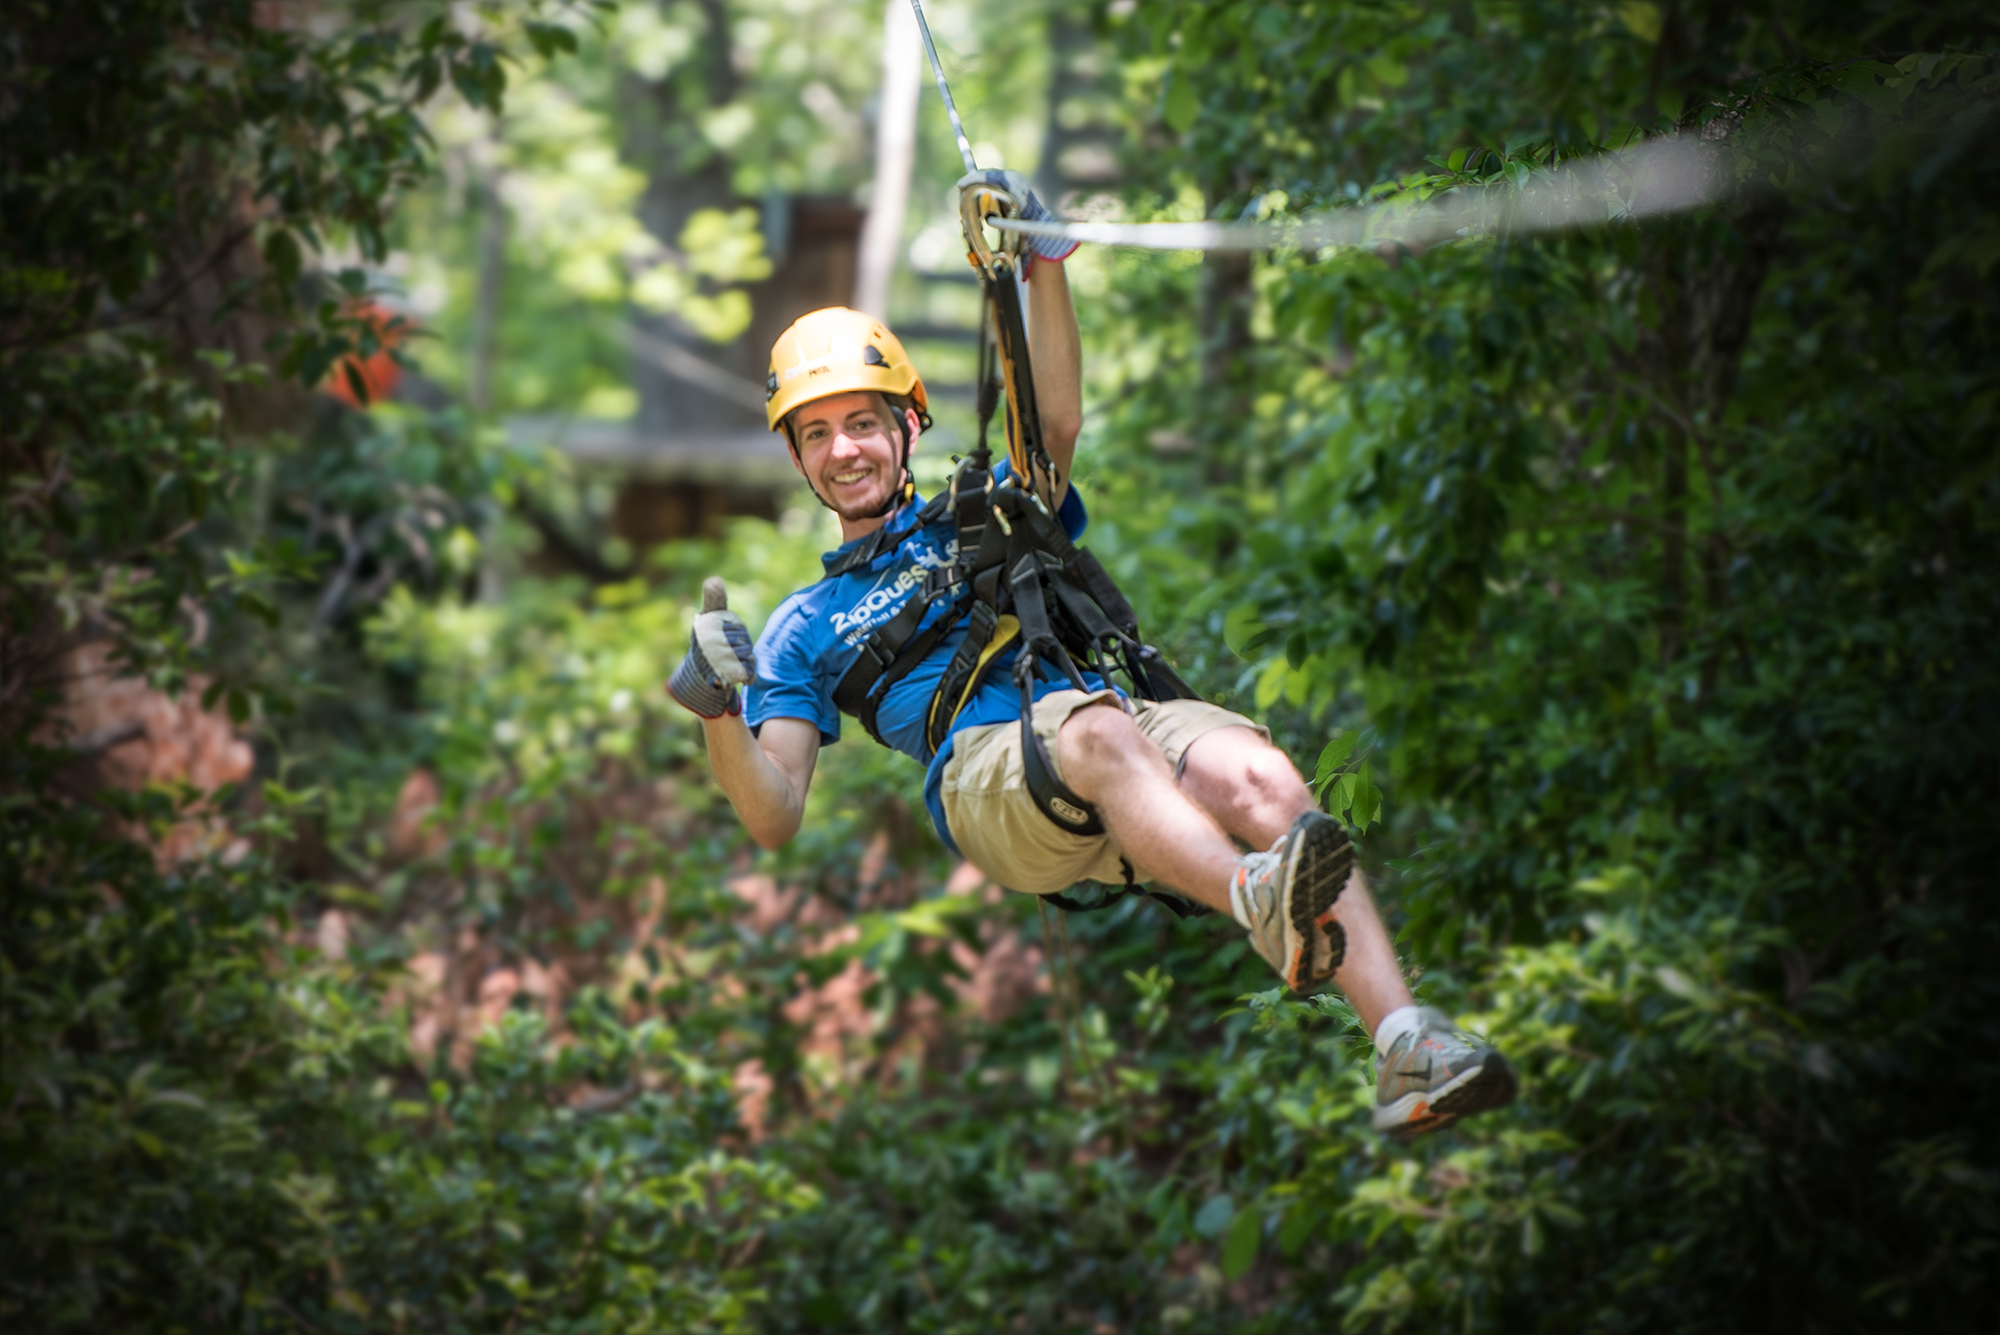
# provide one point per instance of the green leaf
(281, 252)
(1389, 71)
(1239, 1249)
(1641, 19)
(549, 39)
(1240, 630)
(1336, 753)
(1271, 683)
(1183, 105)
(1367, 801)
(428, 73)
(1297, 1228)
(1214, 1216)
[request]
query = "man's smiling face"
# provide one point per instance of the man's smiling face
(847, 447)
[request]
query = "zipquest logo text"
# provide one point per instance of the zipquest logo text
(854, 624)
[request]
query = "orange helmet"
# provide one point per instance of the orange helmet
(838, 351)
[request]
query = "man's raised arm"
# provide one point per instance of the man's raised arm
(1055, 349)
(1054, 346)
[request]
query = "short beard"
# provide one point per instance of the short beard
(871, 510)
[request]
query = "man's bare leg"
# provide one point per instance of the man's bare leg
(1429, 1074)
(1253, 791)
(1234, 783)
(1110, 764)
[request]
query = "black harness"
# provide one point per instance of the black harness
(1017, 579)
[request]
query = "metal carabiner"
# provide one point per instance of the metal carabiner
(977, 203)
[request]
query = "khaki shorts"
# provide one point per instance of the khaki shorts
(994, 819)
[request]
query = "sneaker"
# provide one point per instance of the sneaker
(1284, 899)
(1433, 1075)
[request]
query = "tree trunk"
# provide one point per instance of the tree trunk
(895, 152)
(1223, 408)
(490, 280)
(1706, 278)
(684, 176)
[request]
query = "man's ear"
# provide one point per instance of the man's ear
(910, 428)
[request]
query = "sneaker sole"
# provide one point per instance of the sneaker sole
(1478, 1089)
(1318, 866)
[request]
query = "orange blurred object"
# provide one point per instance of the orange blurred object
(379, 373)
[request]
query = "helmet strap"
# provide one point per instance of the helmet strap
(902, 494)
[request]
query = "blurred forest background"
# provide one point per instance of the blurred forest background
(378, 382)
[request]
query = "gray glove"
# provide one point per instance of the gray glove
(1056, 248)
(720, 657)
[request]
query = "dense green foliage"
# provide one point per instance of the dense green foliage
(1660, 562)
(1654, 562)
(206, 1125)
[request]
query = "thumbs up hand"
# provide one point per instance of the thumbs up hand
(720, 657)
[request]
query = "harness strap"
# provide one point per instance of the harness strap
(878, 655)
(1046, 533)
(867, 684)
(987, 633)
(1025, 451)
(1088, 571)
(1161, 681)
(1173, 903)
(1089, 617)
(1055, 798)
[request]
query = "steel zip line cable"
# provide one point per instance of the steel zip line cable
(944, 89)
(1649, 179)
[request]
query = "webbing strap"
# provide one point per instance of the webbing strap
(1088, 571)
(1055, 798)
(867, 684)
(986, 636)
(1046, 533)
(1173, 903)
(1088, 616)
(1025, 451)
(1161, 681)
(878, 655)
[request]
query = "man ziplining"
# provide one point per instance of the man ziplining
(929, 609)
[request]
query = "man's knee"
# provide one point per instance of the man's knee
(1097, 732)
(1270, 774)
(1237, 769)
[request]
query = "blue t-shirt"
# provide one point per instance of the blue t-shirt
(816, 634)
